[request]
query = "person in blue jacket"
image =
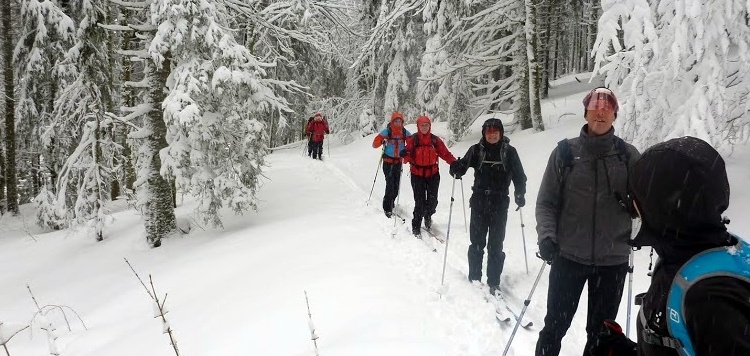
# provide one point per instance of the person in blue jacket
(392, 138)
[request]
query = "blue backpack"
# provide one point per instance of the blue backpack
(731, 261)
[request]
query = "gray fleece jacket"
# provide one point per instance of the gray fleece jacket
(578, 208)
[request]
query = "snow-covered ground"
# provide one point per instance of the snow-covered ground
(241, 290)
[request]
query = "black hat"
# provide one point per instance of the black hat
(681, 189)
(493, 122)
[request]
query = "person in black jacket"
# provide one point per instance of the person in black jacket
(582, 224)
(495, 164)
(680, 189)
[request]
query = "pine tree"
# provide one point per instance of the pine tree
(684, 69)
(81, 108)
(217, 92)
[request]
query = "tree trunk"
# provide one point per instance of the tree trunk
(546, 48)
(532, 41)
(2, 177)
(159, 212)
(10, 108)
(523, 110)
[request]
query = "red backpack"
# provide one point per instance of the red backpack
(425, 155)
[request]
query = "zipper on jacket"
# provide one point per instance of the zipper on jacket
(593, 220)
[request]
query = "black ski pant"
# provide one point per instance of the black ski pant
(566, 280)
(489, 215)
(392, 173)
(309, 147)
(317, 149)
(425, 197)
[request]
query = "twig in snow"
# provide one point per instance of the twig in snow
(139, 279)
(159, 305)
(313, 337)
(4, 342)
(168, 329)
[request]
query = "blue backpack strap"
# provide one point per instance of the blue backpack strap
(733, 261)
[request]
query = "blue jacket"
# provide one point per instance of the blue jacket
(394, 144)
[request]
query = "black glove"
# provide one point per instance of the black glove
(520, 200)
(611, 342)
(548, 250)
(455, 170)
(403, 153)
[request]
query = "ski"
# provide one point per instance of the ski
(526, 324)
(434, 233)
(502, 317)
(503, 312)
(422, 238)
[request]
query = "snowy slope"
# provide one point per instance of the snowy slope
(240, 291)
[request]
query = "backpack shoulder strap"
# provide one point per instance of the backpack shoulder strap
(566, 159)
(622, 150)
(433, 139)
(733, 261)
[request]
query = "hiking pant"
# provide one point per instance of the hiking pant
(489, 215)
(566, 280)
(317, 149)
(425, 197)
(392, 173)
(309, 148)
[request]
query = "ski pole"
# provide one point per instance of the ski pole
(463, 202)
(523, 235)
(630, 292)
(525, 305)
(448, 234)
(398, 198)
(375, 179)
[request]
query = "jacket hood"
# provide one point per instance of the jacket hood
(681, 189)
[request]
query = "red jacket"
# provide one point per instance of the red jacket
(317, 130)
(422, 152)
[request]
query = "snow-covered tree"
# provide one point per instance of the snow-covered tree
(46, 33)
(683, 67)
(82, 187)
(214, 111)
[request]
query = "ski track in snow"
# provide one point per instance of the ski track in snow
(373, 287)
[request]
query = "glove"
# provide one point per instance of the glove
(455, 170)
(611, 342)
(548, 250)
(403, 153)
(520, 200)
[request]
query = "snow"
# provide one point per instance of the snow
(241, 290)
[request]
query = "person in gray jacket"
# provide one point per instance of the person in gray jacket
(582, 223)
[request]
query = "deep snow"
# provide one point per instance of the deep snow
(240, 290)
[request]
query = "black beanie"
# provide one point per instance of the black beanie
(681, 188)
(493, 122)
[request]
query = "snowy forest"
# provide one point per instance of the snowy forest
(148, 100)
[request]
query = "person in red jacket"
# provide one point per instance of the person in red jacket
(317, 129)
(422, 152)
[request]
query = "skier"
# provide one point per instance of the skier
(680, 189)
(582, 222)
(393, 139)
(422, 152)
(495, 164)
(317, 128)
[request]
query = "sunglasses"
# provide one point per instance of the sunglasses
(492, 130)
(601, 101)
